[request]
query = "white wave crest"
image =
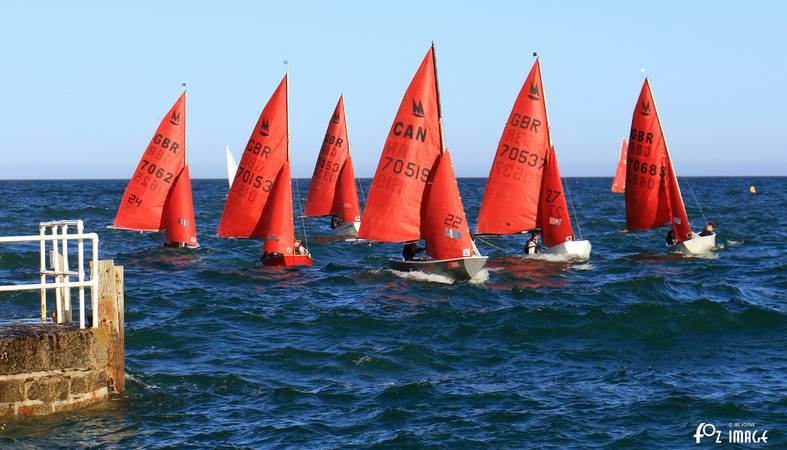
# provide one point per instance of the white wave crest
(422, 276)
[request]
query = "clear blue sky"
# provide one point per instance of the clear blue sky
(83, 87)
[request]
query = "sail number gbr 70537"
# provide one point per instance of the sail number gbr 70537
(521, 156)
(408, 169)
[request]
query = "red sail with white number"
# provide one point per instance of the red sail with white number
(510, 203)
(332, 189)
(444, 225)
(151, 199)
(177, 220)
(652, 194)
(261, 164)
(619, 182)
(553, 218)
(414, 143)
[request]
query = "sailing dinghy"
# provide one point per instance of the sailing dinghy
(332, 190)
(158, 196)
(524, 190)
(414, 194)
(259, 203)
(653, 196)
(232, 167)
(619, 182)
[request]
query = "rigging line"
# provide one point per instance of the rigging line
(694, 197)
(363, 195)
(300, 207)
(573, 209)
(478, 238)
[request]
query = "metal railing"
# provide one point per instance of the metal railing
(60, 272)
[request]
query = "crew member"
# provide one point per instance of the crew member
(410, 250)
(531, 246)
(336, 222)
(709, 230)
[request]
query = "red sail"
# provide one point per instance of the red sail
(261, 163)
(414, 143)
(619, 183)
(345, 200)
(444, 225)
(553, 218)
(276, 224)
(143, 202)
(510, 203)
(332, 189)
(177, 220)
(646, 205)
(680, 220)
(650, 182)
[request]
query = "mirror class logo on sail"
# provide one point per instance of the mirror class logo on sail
(175, 119)
(408, 130)
(737, 433)
(264, 127)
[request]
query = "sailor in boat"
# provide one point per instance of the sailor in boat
(532, 246)
(671, 238)
(410, 250)
(710, 229)
(299, 248)
(336, 221)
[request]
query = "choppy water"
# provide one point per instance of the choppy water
(631, 350)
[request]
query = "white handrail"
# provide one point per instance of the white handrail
(60, 271)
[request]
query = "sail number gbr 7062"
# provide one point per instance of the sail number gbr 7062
(153, 177)
(406, 168)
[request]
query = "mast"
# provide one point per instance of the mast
(437, 89)
(544, 94)
(666, 147)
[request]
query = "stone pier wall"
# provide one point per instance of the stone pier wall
(47, 368)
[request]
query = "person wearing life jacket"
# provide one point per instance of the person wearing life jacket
(336, 221)
(670, 238)
(410, 250)
(710, 229)
(531, 246)
(299, 248)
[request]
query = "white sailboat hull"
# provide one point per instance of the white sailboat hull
(571, 249)
(456, 268)
(697, 245)
(348, 229)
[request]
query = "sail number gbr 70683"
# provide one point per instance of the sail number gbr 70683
(408, 169)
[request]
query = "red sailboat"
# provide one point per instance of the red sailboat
(158, 196)
(414, 194)
(259, 203)
(332, 190)
(524, 190)
(619, 183)
(653, 196)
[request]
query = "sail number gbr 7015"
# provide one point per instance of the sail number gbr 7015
(408, 169)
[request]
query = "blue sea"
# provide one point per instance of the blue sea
(633, 349)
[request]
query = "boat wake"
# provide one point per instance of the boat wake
(422, 276)
(548, 257)
(480, 278)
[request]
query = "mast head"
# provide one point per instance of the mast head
(535, 54)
